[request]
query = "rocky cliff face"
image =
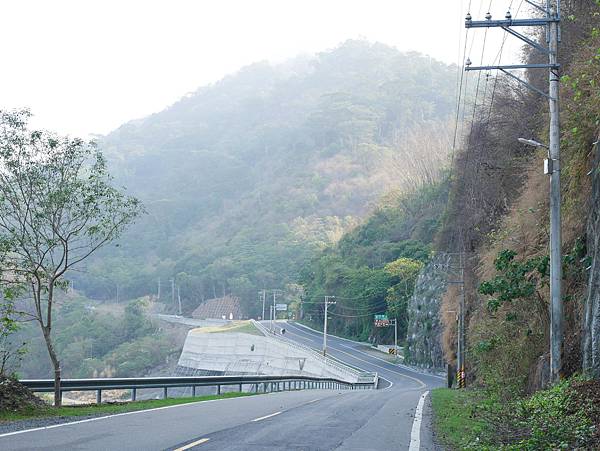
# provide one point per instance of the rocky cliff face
(591, 327)
(424, 347)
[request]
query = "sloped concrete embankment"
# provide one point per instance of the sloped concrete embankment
(241, 353)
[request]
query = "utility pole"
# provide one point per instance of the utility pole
(460, 318)
(274, 300)
(327, 303)
(460, 355)
(172, 290)
(394, 322)
(274, 312)
(179, 299)
(263, 297)
(396, 338)
(158, 293)
(551, 23)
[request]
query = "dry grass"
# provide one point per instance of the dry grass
(448, 310)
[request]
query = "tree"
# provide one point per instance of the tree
(10, 353)
(57, 207)
(404, 272)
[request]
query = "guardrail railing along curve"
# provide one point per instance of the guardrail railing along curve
(258, 383)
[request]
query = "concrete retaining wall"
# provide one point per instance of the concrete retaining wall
(240, 353)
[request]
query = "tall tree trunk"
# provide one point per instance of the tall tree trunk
(55, 364)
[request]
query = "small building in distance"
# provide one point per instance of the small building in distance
(227, 307)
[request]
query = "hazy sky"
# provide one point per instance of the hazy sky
(87, 66)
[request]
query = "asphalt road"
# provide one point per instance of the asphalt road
(302, 420)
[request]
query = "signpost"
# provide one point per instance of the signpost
(383, 321)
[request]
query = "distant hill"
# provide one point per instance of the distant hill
(245, 178)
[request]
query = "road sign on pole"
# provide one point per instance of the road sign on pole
(381, 321)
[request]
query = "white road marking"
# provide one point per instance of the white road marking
(415, 433)
(404, 367)
(391, 370)
(267, 416)
(374, 364)
(191, 445)
(43, 428)
(422, 384)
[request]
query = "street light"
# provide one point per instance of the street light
(550, 165)
(531, 142)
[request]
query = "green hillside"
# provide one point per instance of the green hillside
(245, 179)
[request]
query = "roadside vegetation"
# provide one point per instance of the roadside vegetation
(245, 327)
(373, 268)
(498, 206)
(96, 340)
(45, 411)
(565, 416)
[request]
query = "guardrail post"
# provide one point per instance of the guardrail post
(133, 394)
(218, 389)
(165, 393)
(98, 396)
(240, 388)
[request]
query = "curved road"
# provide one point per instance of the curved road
(303, 420)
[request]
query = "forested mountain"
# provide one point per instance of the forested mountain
(244, 179)
(374, 267)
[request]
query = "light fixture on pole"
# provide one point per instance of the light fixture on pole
(550, 165)
(531, 142)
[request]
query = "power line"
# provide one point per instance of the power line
(357, 316)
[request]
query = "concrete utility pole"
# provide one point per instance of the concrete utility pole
(158, 293)
(274, 312)
(460, 354)
(394, 322)
(263, 297)
(556, 330)
(327, 303)
(551, 23)
(173, 291)
(179, 299)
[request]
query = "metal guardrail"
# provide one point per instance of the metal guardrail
(360, 376)
(259, 384)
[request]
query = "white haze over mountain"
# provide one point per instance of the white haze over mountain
(87, 67)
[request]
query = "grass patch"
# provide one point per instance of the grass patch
(454, 423)
(245, 327)
(564, 416)
(108, 408)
